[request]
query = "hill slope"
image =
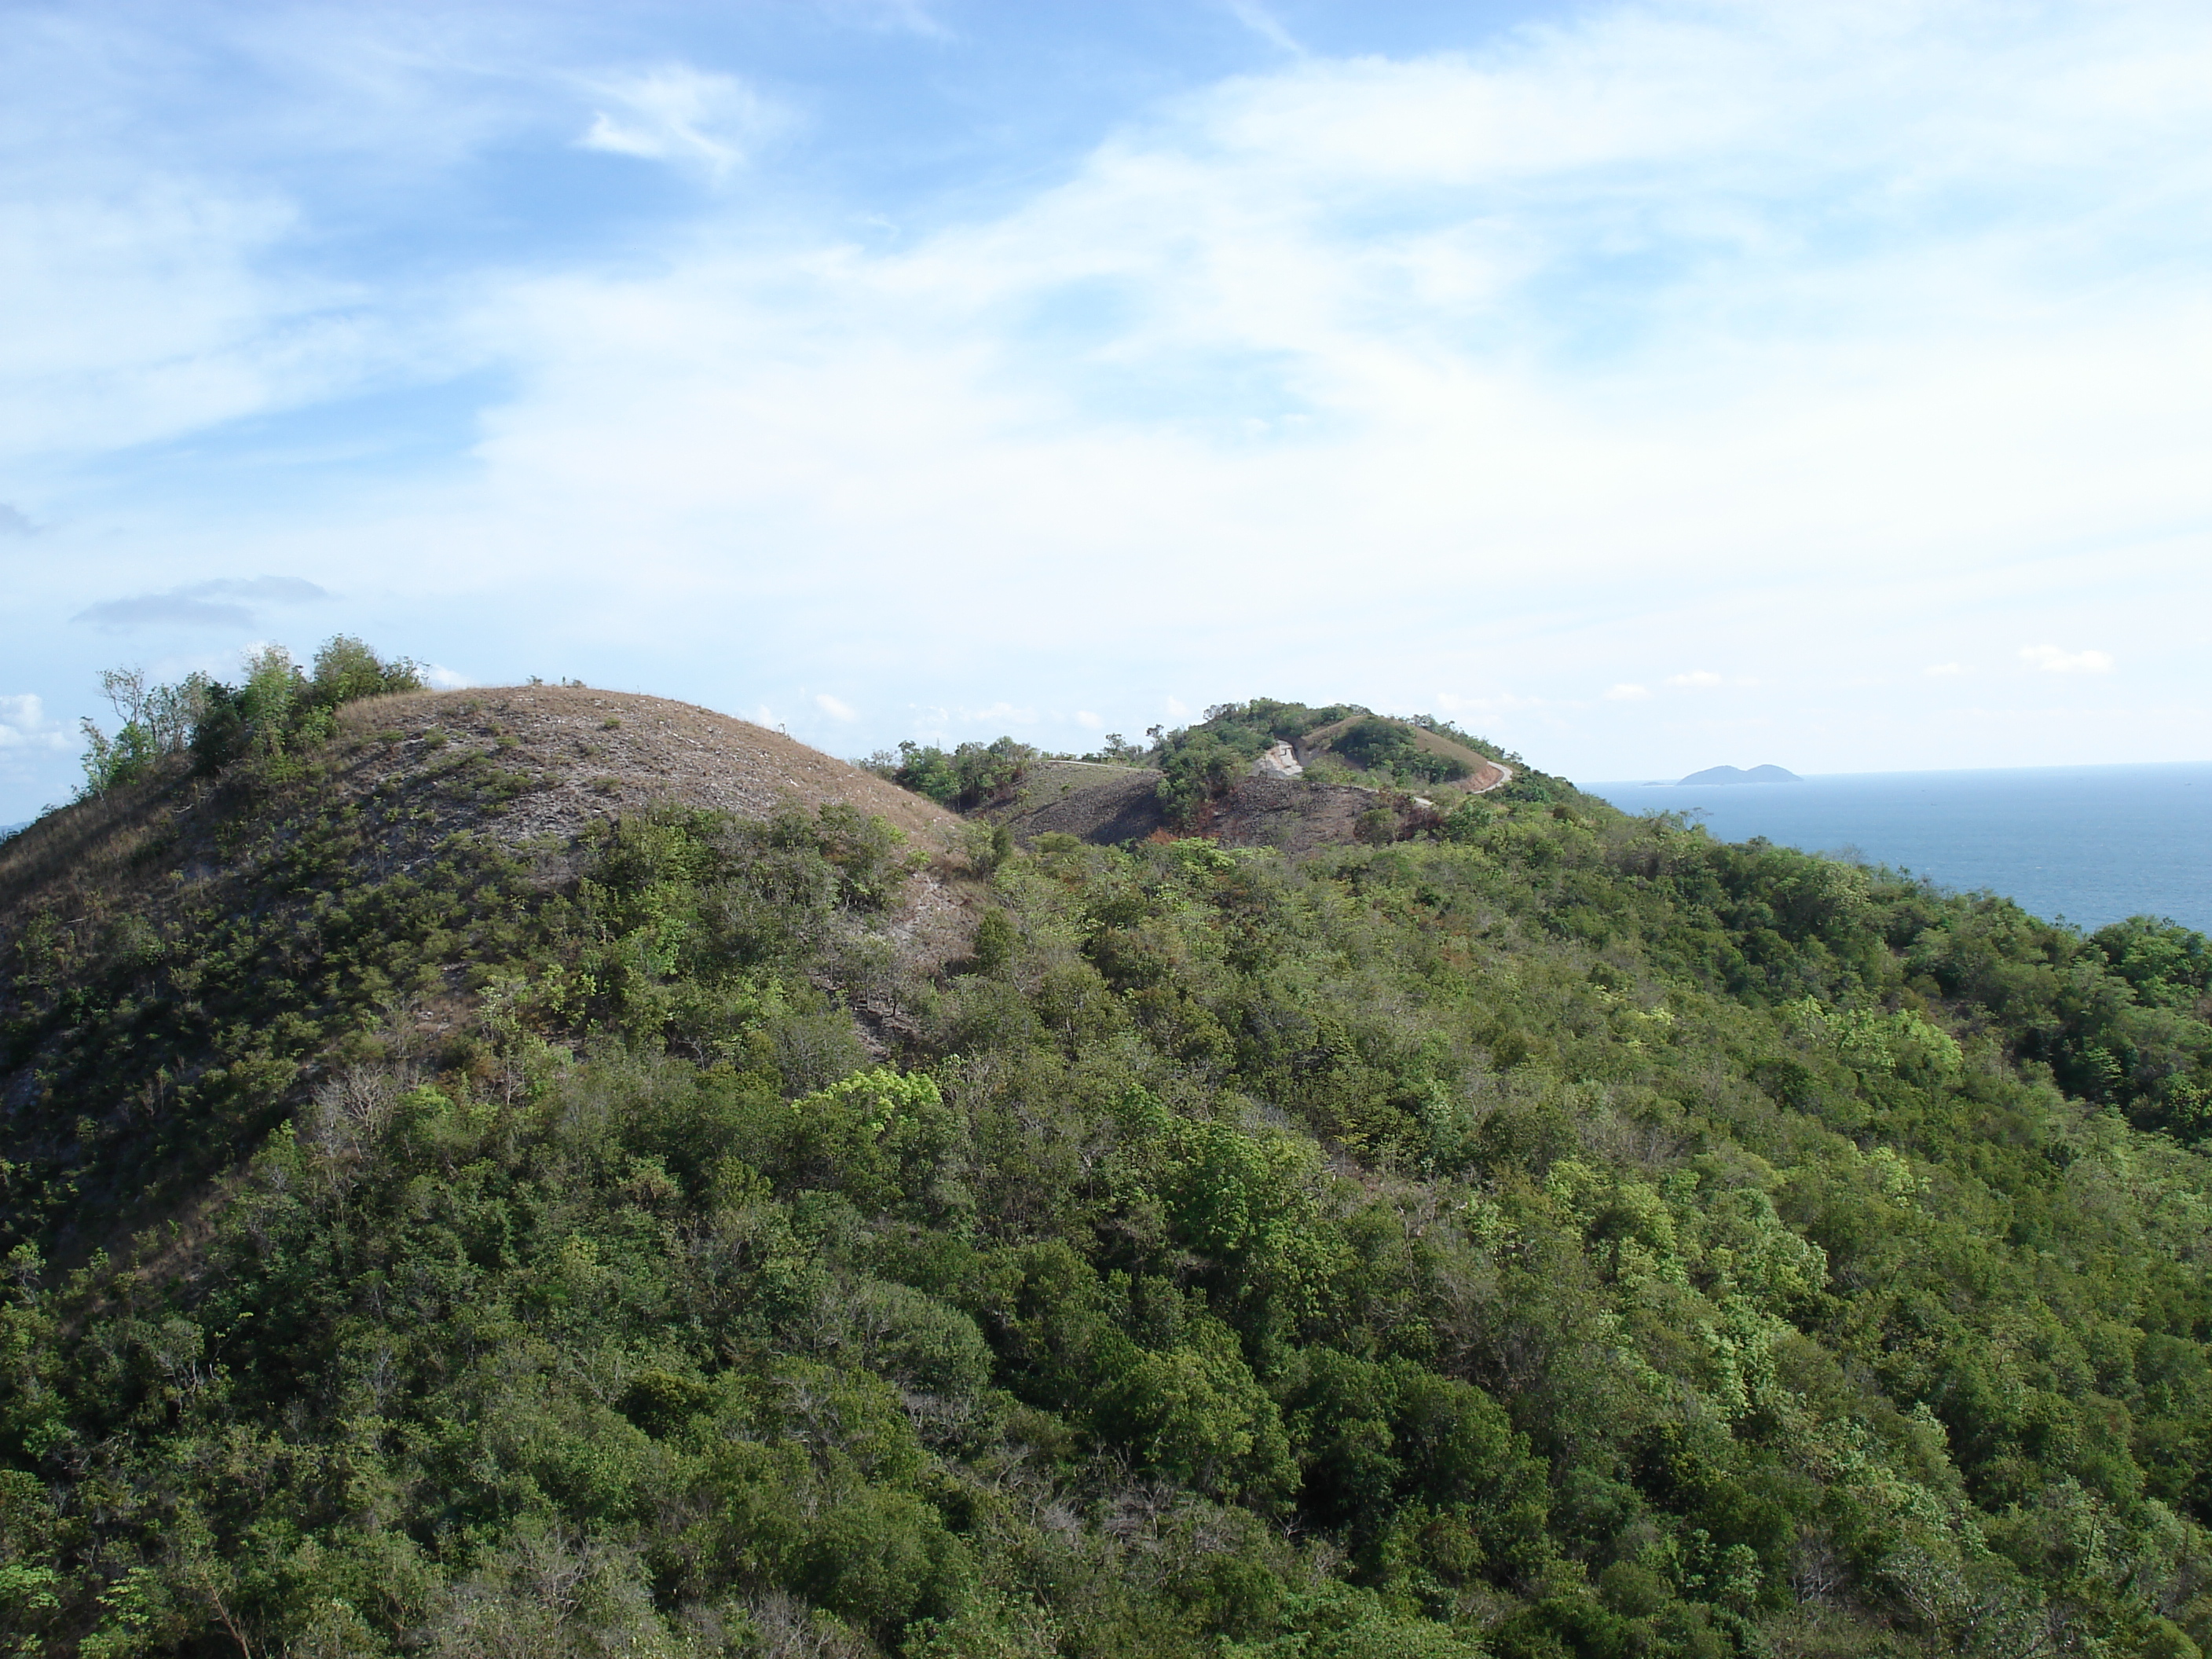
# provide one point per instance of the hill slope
(1403, 752)
(257, 917)
(1108, 805)
(1551, 1233)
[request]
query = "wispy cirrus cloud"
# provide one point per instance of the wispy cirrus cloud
(1264, 23)
(681, 115)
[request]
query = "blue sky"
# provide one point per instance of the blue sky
(1646, 386)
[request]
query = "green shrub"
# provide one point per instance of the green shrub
(1569, 1235)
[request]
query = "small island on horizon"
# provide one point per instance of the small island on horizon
(1737, 775)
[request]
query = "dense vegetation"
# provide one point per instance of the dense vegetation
(969, 775)
(1200, 765)
(277, 706)
(1388, 747)
(1557, 1234)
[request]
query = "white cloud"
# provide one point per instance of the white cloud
(1569, 334)
(155, 313)
(1628, 692)
(835, 707)
(1089, 721)
(1699, 678)
(2051, 659)
(679, 114)
(24, 725)
(161, 265)
(446, 679)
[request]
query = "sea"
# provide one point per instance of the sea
(2088, 845)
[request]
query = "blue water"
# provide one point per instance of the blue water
(2089, 844)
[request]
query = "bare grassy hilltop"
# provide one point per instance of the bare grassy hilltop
(521, 765)
(591, 754)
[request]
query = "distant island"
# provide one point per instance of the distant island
(1737, 775)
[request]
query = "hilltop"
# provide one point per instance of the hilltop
(1402, 751)
(1265, 774)
(517, 764)
(537, 1172)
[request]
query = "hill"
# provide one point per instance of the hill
(1738, 775)
(1108, 805)
(334, 876)
(1261, 774)
(455, 1206)
(1401, 751)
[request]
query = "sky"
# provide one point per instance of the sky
(1643, 388)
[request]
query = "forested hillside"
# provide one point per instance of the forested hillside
(1551, 1233)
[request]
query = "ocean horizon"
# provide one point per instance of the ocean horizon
(2088, 845)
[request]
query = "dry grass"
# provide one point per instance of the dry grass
(599, 754)
(88, 860)
(560, 758)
